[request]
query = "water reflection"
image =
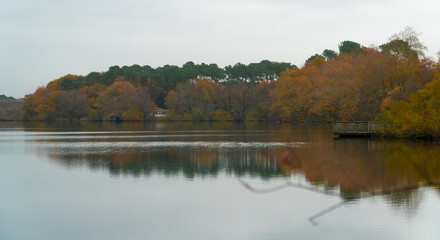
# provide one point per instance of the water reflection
(357, 166)
(363, 168)
(163, 173)
(171, 162)
(349, 167)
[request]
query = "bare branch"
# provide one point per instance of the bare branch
(326, 211)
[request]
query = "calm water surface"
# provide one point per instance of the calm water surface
(212, 181)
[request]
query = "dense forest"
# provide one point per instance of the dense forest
(393, 82)
(10, 108)
(132, 92)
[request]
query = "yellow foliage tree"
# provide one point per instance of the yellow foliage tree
(420, 117)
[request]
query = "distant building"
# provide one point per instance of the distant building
(160, 112)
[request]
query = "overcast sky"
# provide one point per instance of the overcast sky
(41, 40)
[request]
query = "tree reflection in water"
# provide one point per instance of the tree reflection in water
(395, 170)
(347, 168)
(191, 163)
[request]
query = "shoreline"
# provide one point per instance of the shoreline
(386, 136)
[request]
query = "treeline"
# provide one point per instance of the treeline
(163, 79)
(3, 97)
(356, 83)
(132, 92)
(353, 85)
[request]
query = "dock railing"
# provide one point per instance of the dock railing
(358, 128)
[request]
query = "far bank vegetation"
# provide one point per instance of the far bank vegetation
(393, 82)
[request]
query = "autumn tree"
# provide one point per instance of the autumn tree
(336, 90)
(420, 116)
(40, 105)
(117, 98)
(242, 96)
(292, 93)
(143, 102)
(261, 102)
(204, 93)
(71, 104)
(196, 97)
(410, 36)
(10, 108)
(172, 102)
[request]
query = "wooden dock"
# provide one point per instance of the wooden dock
(358, 129)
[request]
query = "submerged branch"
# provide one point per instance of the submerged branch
(325, 211)
(312, 219)
(285, 185)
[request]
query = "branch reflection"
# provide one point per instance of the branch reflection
(395, 170)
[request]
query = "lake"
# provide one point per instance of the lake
(212, 181)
